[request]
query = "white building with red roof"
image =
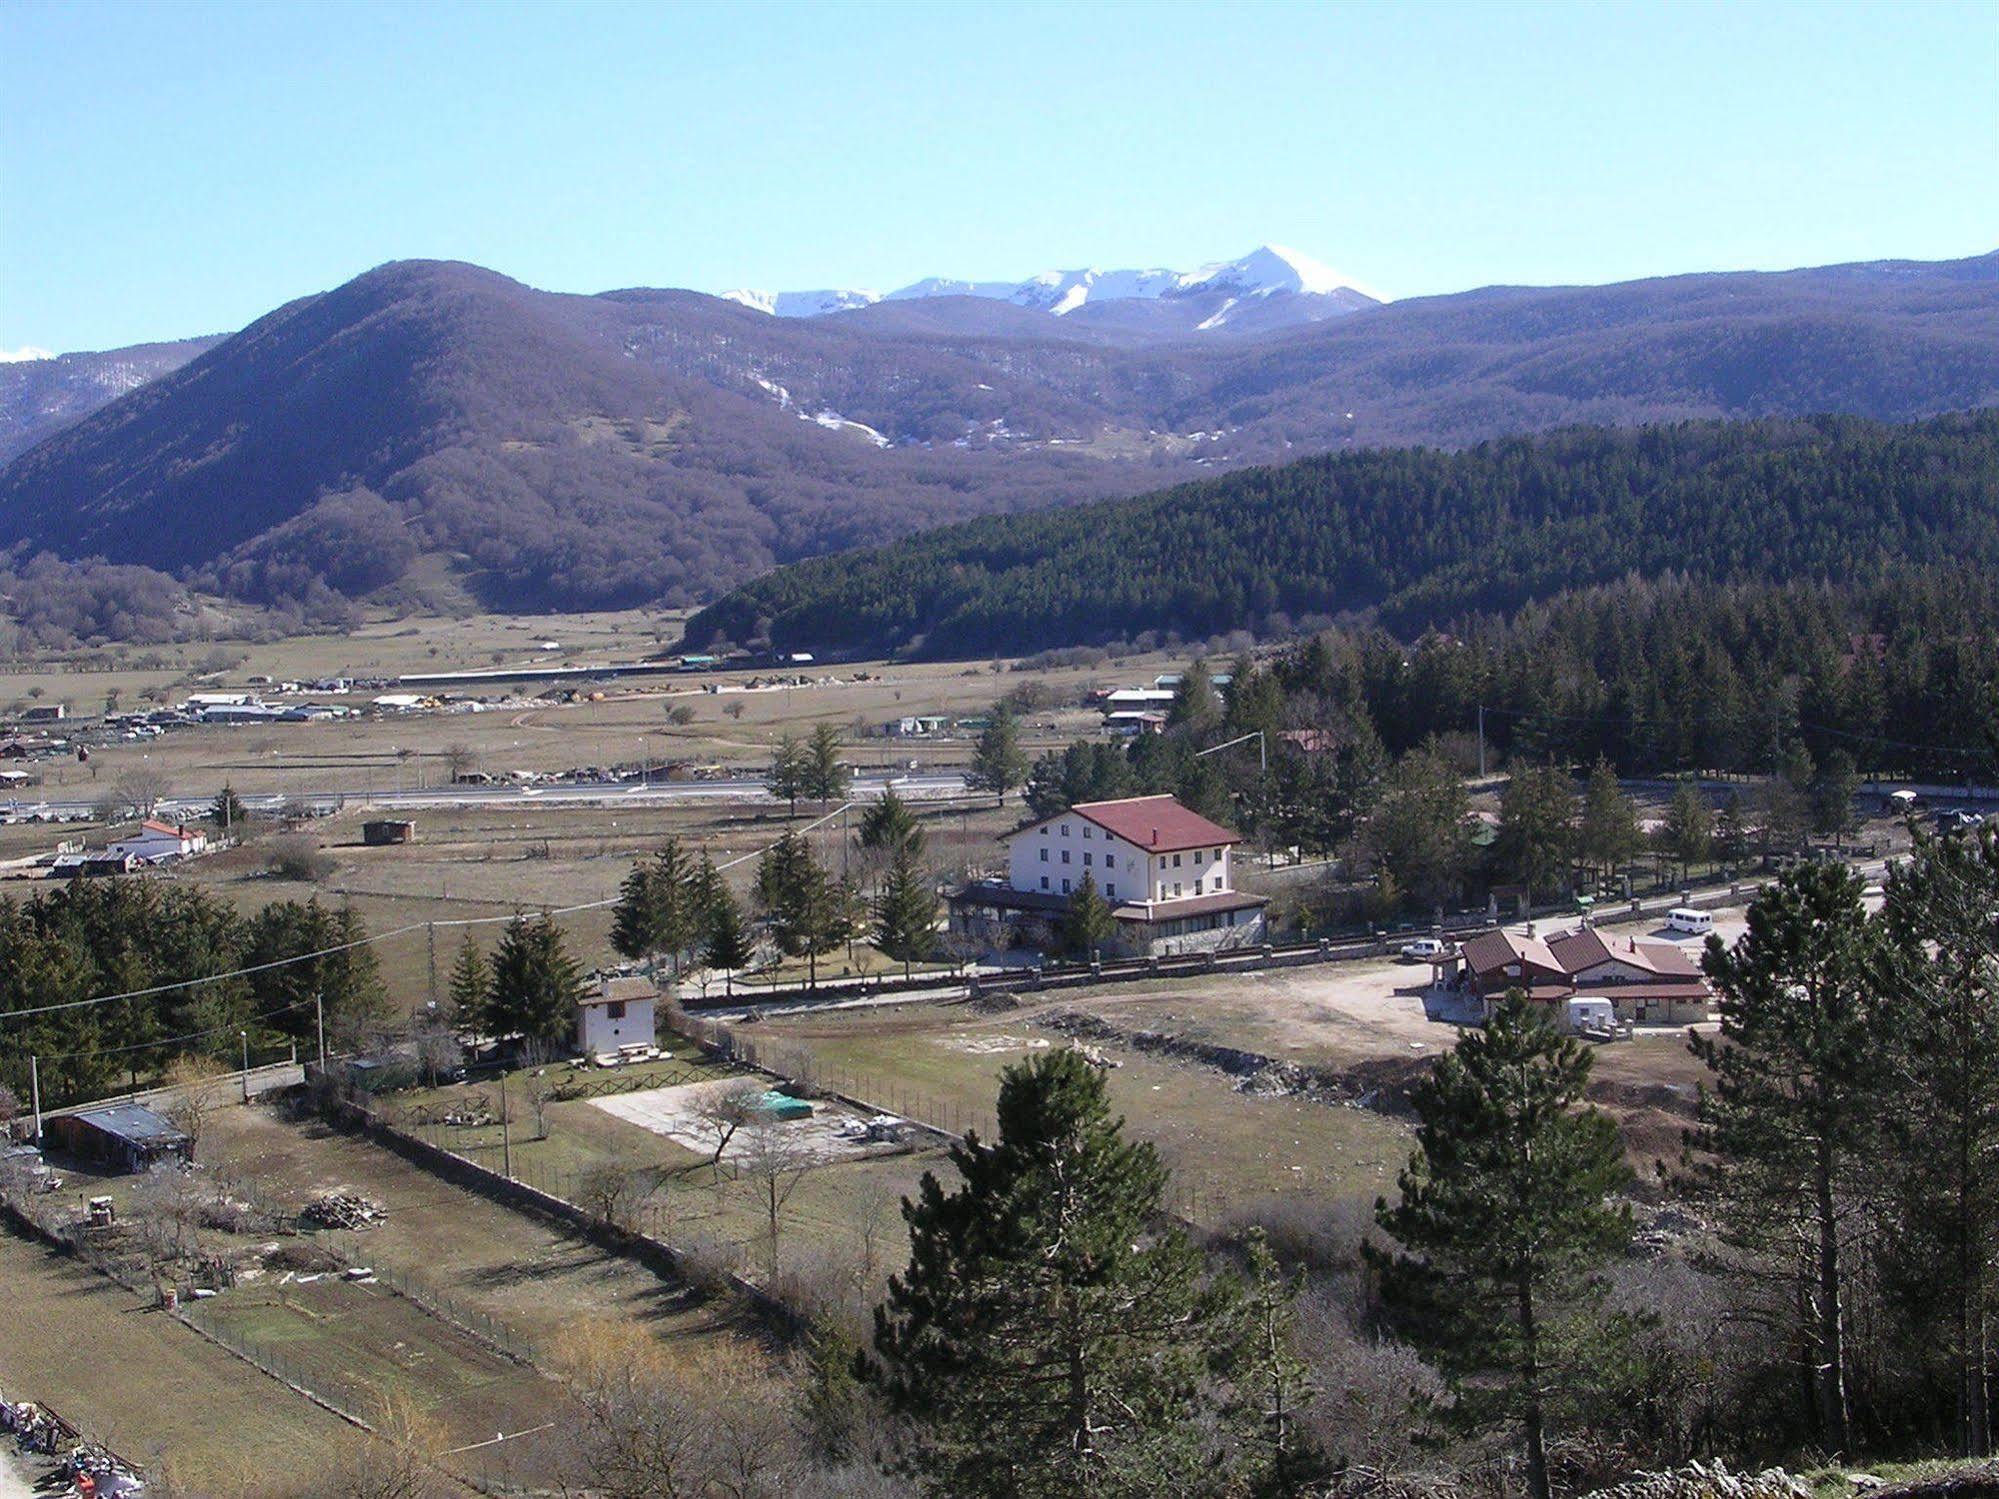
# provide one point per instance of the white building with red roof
(161, 843)
(1166, 871)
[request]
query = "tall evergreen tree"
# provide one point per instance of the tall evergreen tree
(471, 978)
(1607, 833)
(1941, 972)
(1789, 1128)
(535, 985)
(1049, 1335)
(634, 924)
(826, 775)
(728, 940)
(1689, 828)
(906, 911)
(789, 771)
(1505, 1217)
(1537, 815)
(809, 912)
(888, 826)
(226, 811)
(998, 764)
(1418, 829)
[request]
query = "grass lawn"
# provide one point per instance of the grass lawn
(1227, 1148)
(143, 1384)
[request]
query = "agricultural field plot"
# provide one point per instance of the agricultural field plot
(363, 1346)
(529, 1274)
(146, 1385)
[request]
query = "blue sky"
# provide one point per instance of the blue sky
(173, 169)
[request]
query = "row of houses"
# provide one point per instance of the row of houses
(153, 846)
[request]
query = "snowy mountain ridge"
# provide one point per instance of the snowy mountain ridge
(1267, 271)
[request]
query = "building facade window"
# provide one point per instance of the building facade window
(1065, 856)
(1044, 856)
(1176, 861)
(1044, 882)
(1065, 887)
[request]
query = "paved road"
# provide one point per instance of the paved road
(639, 794)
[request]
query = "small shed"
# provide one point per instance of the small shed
(384, 831)
(621, 1013)
(125, 1136)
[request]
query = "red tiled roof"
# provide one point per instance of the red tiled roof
(1158, 824)
(1588, 947)
(151, 826)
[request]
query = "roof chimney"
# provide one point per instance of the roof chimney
(1155, 837)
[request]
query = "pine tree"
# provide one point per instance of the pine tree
(1608, 833)
(1832, 791)
(1271, 1384)
(676, 902)
(1689, 829)
(888, 825)
(1788, 1127)
(728, 942)
(826, 775)
(788, 771)
(809, 912)
(226, 812)
(1537, 813)
(634, 927)
(535, 985)
(471, 977)
(906, 912)
(1088, 924)
(998, 763)
(1942, 969)
(1049, 1333)
(1505, 1218)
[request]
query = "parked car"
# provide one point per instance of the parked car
(1425, 948)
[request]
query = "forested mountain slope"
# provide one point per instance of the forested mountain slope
(646, 445)
(1410, 536)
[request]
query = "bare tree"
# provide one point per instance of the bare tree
(438, 1049)
(661, 1420)
(774, 1159)
(197, 1091)
(723, 1111)
(458, 759)
(540, 1090)
(141, 788)
(616, 1194)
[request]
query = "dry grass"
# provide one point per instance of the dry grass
(144, 1384)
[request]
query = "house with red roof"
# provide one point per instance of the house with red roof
(1166, 871)
(161, 843)
(1647, 982)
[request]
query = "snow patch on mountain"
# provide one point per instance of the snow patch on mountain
(802, 303)
(1268, 271)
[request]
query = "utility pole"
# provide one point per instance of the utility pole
(1481, 741)
(431, 928)
(244, 1036)
(319, 1017)
(35, 1087)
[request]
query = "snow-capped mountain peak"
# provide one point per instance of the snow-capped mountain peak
(1273, 268)
(1228, 289)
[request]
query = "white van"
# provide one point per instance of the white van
(1693, 923)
